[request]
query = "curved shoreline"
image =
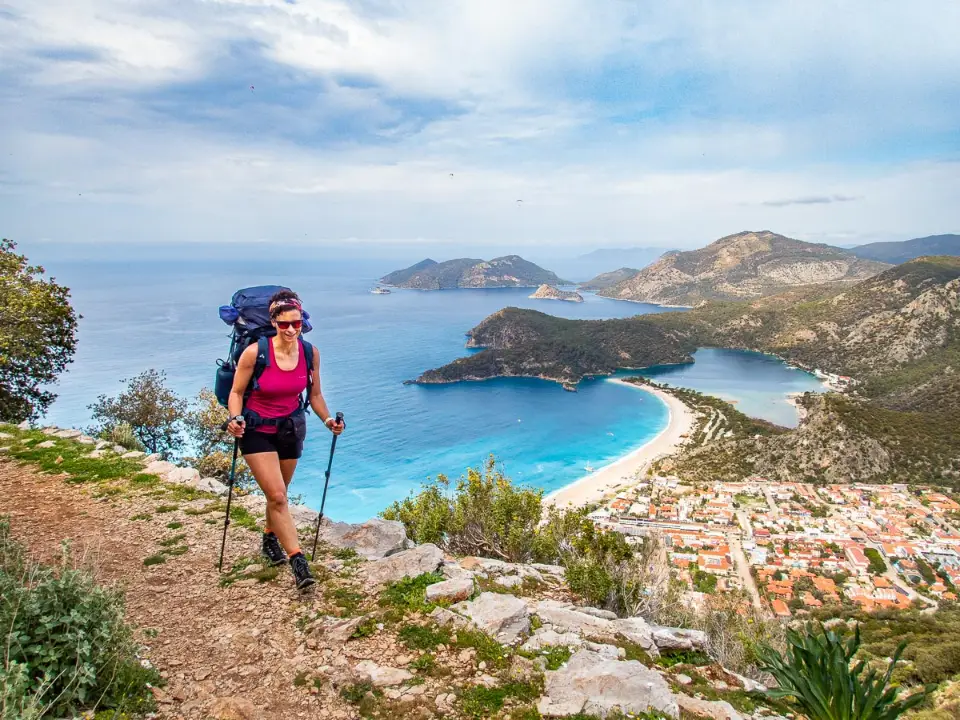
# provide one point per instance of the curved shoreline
(594, 487)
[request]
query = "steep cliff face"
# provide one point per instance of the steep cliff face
(841, 440)
(745, 265)
(506, 271)
(548, 292)
(905, 320)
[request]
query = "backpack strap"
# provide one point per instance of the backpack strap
(261, 364)
(308, 356)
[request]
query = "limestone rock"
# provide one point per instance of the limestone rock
(233, 708)
(442, 616)
(713, 709)
(25, 425)
(50, 430)
(46, 444)
(683, 679)
(545, 638)
(68, 434)
(119, 449)
(183, 476)
(556, 570)
(373, 539)
(452, 590)
(509, 581)
(152, 457)
(668, 638)
(425, 558)
(158, 467)
(5, 436)
(611, 652)
(95, 454)
(637, 631)
(86, 440)
(302, 515)
(453, 571)
(592, 684)
(381, 675)
(504, 617)
(101, 444)
(336, 630)
(597, 612)
(749, 684)
(4, 450)
(564, 619)
(133, 455)
(211, 485)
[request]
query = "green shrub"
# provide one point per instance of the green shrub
(419, 637)
(410, 593)
(486, 515)
(68, 648)
(818, 672)
(122, 434)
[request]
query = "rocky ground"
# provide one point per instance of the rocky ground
(391, 630)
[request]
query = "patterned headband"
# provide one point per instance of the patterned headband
(287, 302)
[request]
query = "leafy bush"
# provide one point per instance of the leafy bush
(122, 434)
(410, 593)
(213, 446)
(485, 516)
(817, 671)
(68, 648)
(155, 412)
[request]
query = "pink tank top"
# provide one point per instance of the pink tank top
(279, 391)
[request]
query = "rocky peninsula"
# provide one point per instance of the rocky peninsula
(548, 292)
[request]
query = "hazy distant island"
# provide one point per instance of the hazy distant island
(548, 292)
(608, 279)
(745, 265)
(900, 252)
(502, 272)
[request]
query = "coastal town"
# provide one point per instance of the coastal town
(797, 547)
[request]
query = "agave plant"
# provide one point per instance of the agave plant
(818, 672)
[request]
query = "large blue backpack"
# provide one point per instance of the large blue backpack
(249, 315)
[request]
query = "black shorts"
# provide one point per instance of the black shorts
(286, 448)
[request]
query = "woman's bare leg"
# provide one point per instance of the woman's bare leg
(266, 469)
(287, 468)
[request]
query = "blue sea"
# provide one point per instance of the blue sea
(140, 314)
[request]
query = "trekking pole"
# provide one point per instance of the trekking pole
(326, 483)
(226, 520)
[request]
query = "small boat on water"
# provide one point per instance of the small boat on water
(588, 468)
(380, 291)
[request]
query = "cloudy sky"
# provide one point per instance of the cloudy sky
(615, 123)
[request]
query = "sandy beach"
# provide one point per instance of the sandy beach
(596, 486)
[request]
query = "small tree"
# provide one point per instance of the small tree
(155, 412)
(38, 330)
(213, 447)
(819, 673)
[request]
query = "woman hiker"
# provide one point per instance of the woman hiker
(272, 425)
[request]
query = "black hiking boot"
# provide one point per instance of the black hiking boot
(272, 551)
(301, 571)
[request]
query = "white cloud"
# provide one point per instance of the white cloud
(614, 123)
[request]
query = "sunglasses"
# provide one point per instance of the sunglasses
(284, 324)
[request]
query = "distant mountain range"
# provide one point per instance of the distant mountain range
(744, 265)
(900, 252)
(506, 271)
